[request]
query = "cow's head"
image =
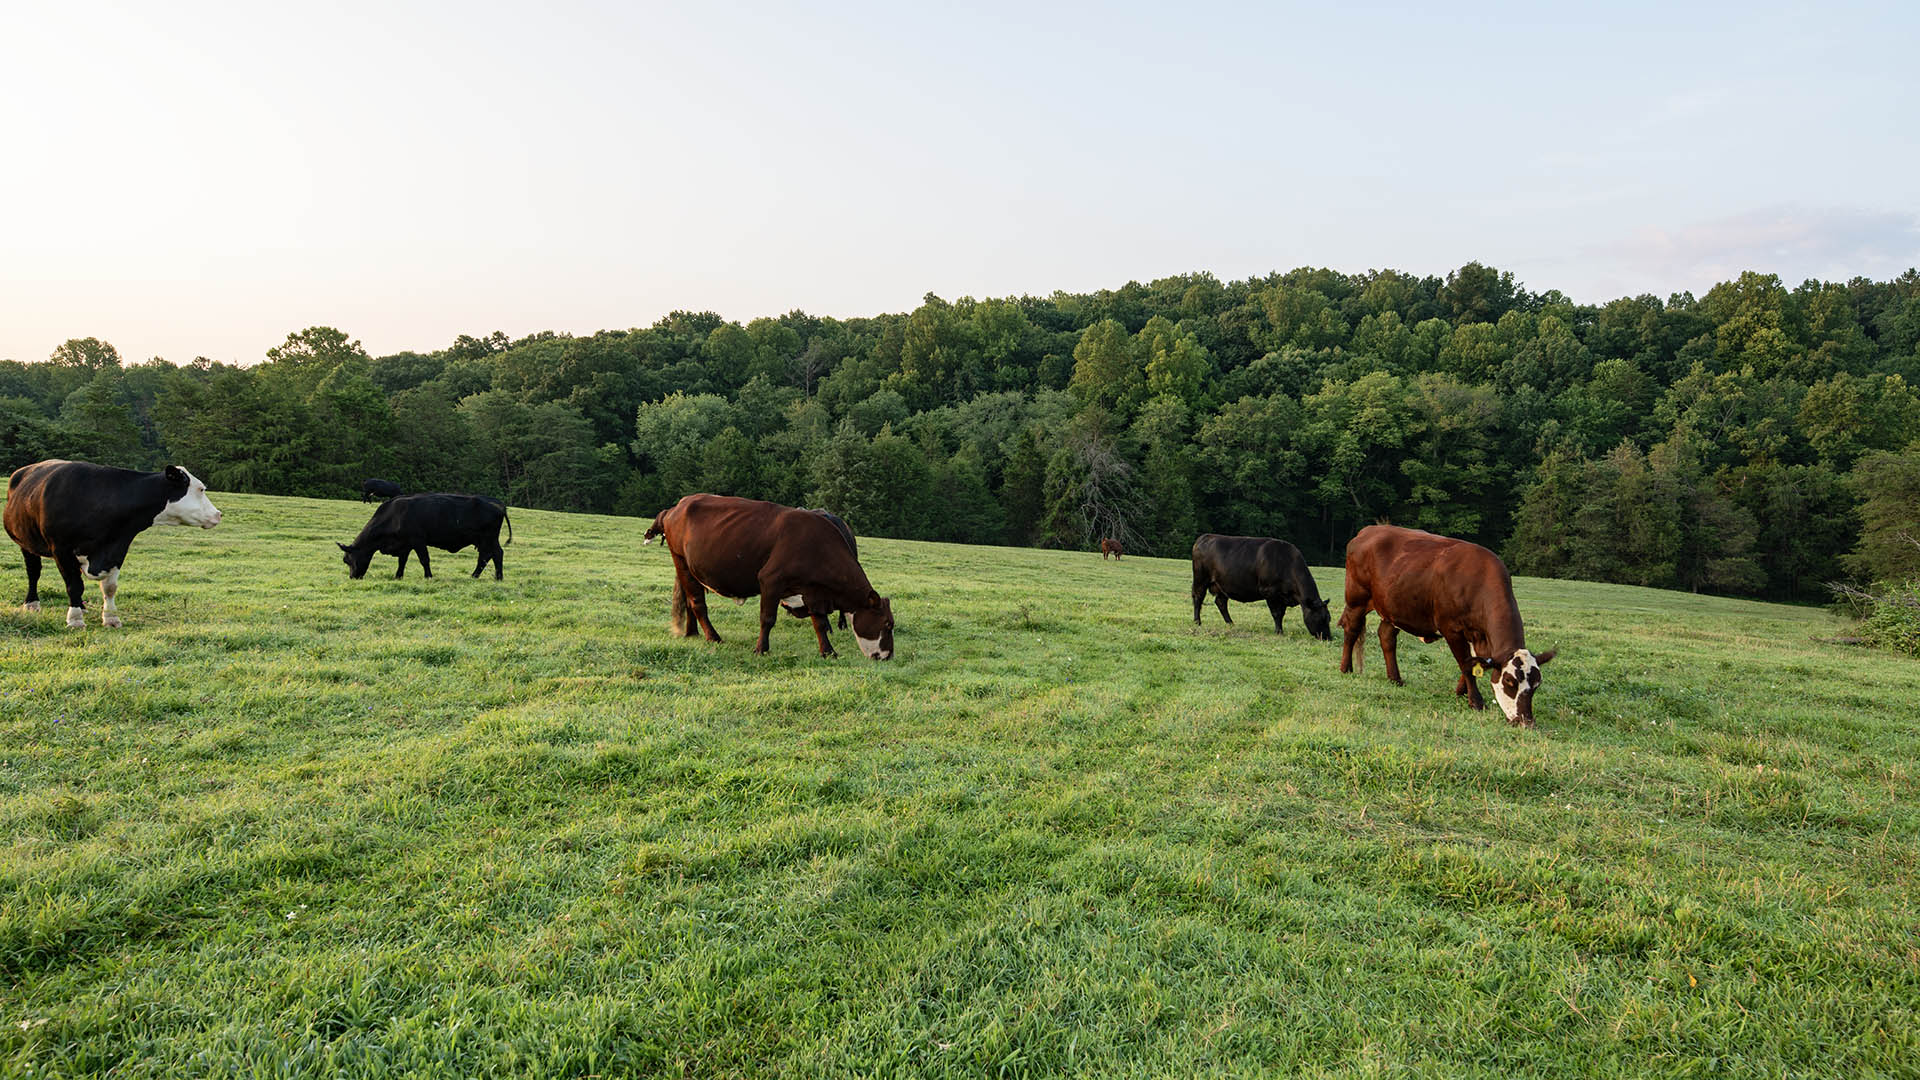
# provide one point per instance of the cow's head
(187, 502)
(1319, 623)
(1515, 681)
(873, 627)
(356, 560)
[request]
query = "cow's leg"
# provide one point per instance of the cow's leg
(820, 632)
(1199, 594)
(33, 580)
(697, 600)
(69, 568)
(1389, 635)
(769, 614)
(109, 585)
(1468, 685)
(1220, 601)
(401, 570)
(1279, 610)
(492, 554)
(426, 568)
(1353, 622)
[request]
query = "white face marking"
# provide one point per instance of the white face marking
(1523, 667)
(871, 647)
(193, 508)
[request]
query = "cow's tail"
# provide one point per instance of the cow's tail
(682, 620)
(509, 520)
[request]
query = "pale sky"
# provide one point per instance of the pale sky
(189, 179)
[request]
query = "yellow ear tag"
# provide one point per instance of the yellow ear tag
(1478, 671)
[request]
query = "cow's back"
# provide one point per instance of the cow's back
(1246, 567)
(1418, 579)
(56, 502)
(728, 542)
(437, 519)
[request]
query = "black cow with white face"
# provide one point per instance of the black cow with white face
(414, 523)
(85, 516)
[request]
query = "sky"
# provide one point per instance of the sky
(197, 179)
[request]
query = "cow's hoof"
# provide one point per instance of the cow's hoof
(75, 620)
(110, 620)
(1521, 722)
(33, 607)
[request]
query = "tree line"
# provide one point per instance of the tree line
(1759, 440)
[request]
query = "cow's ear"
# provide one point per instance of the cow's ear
(873, 598)
(1484, 663)
(341, 546)
(177, 479)
(1542, 658)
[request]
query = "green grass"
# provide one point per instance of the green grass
(288, 824)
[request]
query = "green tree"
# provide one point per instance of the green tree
(99, 426)
(1888, 486)
(307, 356)
(1105, 373)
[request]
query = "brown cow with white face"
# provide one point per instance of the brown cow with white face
(787, 557)
(1437, 587)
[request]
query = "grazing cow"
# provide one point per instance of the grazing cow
(1111, 547)
(377, 488)
(790, 558)
(1436, 587)
(1247, 568)
(85, 516)
(413, 523)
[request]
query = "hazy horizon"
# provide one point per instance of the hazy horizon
(205, 179)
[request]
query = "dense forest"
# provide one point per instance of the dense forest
(1760, 440)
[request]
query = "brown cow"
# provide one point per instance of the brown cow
(787, 557)
(1436, 587)
(1111, 547)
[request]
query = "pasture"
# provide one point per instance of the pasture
(288, 824)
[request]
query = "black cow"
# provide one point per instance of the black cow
(1247, 568)
(84, 517)
(377, 488)
(413, 523)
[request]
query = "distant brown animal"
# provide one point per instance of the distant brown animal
(787, 557)
(1111, 547)
(1437, 587)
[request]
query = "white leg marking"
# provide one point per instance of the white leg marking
(35, 606)
(109, 585)
(76, 617)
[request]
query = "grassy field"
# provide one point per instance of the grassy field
(288, 824)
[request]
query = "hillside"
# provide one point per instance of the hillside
(296, 825)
